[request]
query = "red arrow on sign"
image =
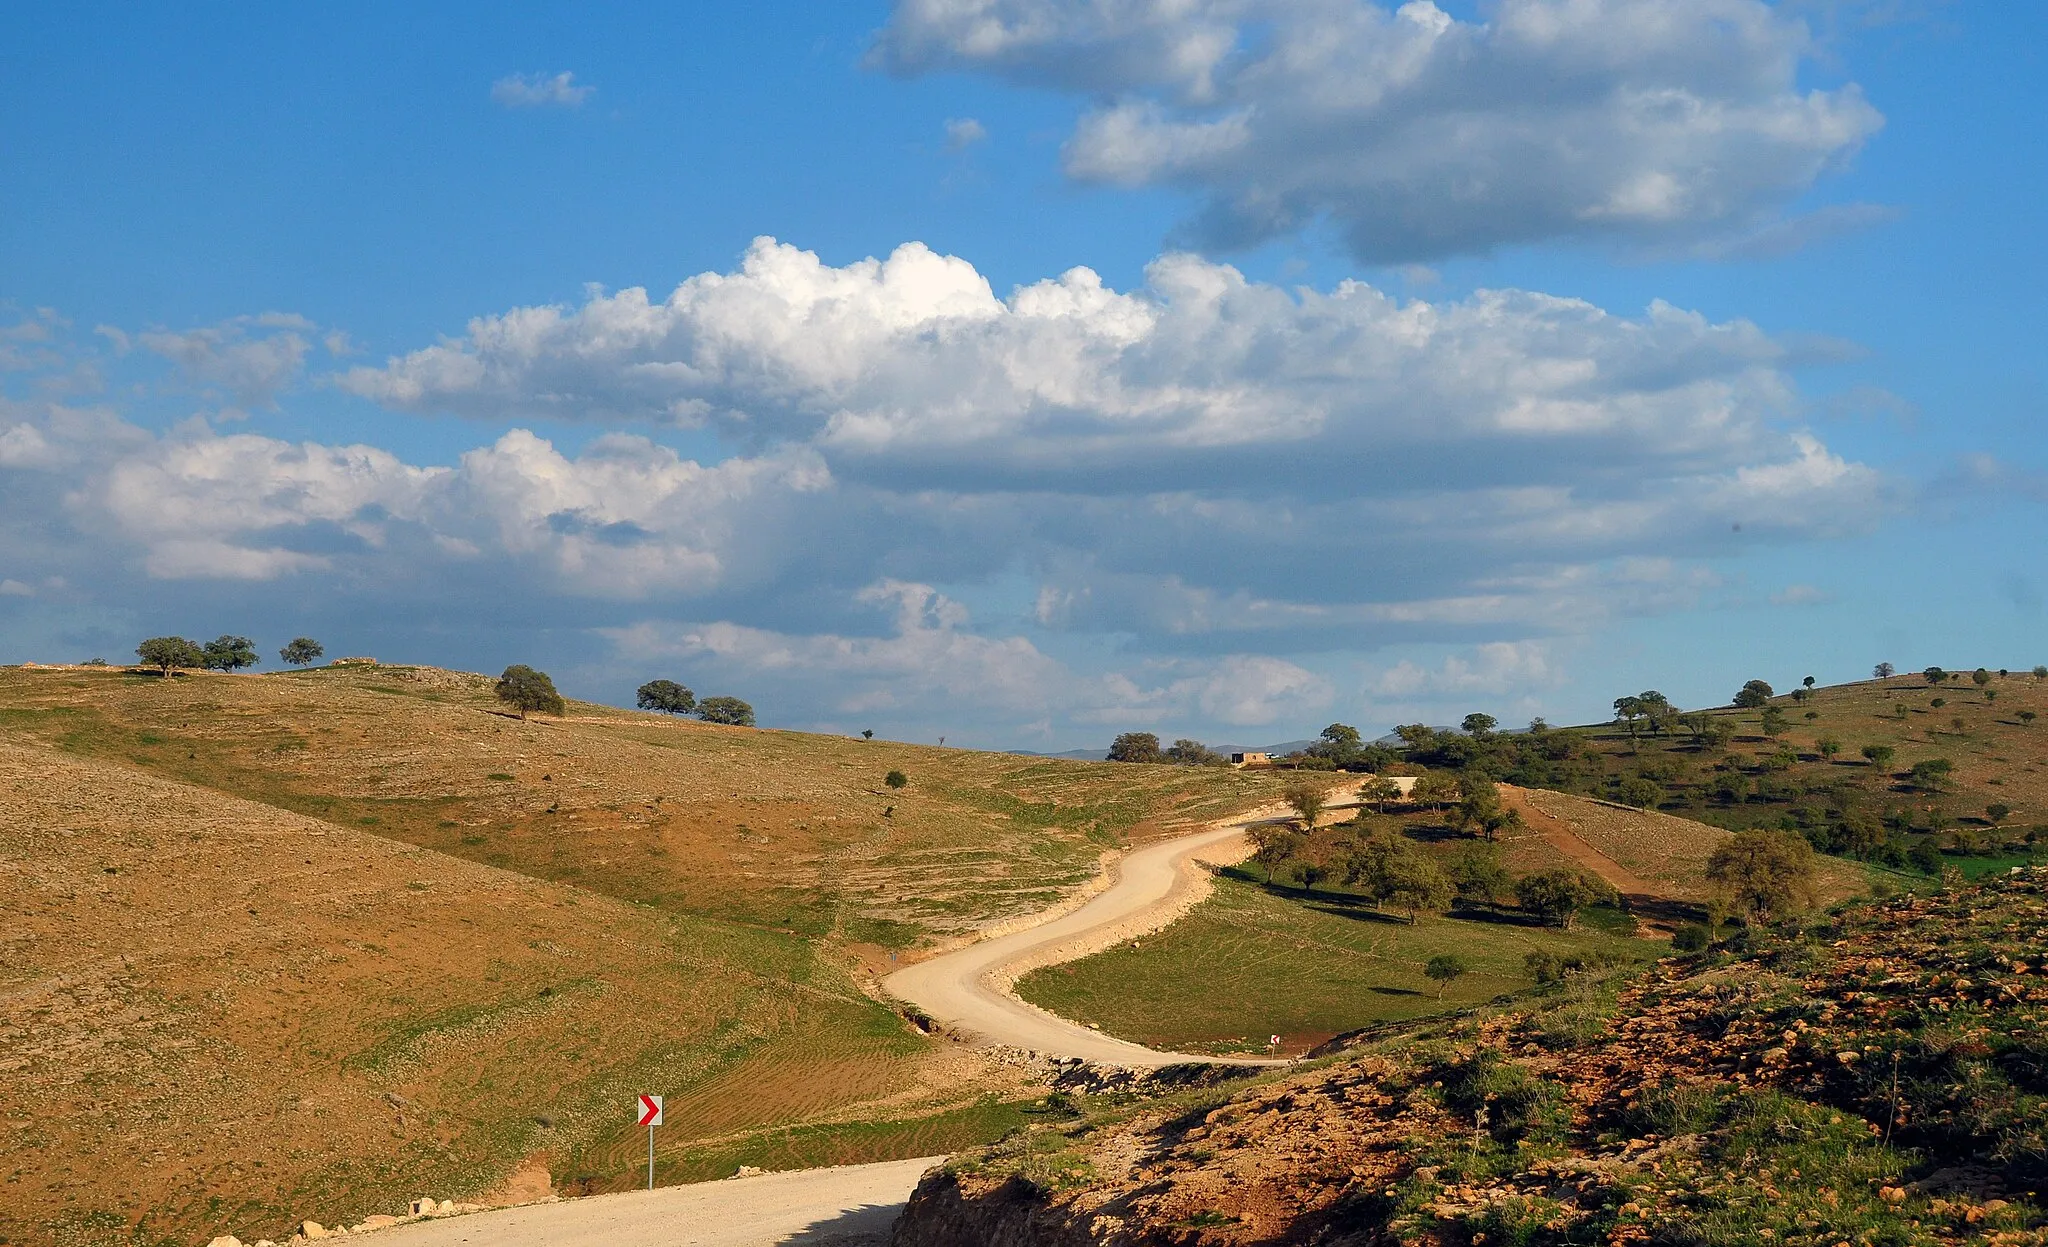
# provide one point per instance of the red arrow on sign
(650, 1110)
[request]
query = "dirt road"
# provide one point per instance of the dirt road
(852, 1206)
(969, 988)
(1568, 842)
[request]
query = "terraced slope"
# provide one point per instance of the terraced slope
(1666, 855)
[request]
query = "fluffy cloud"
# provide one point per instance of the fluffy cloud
(913, 364)
(1415, 134)
(1179, 505)
(1494, 669)
(540, 91)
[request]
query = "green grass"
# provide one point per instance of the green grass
(1249, 962)
(851, 1143)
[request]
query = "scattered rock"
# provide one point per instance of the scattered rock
(748, 1171)
(225, 1240)
(312, 1229)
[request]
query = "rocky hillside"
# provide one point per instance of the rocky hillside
(1879, 1077)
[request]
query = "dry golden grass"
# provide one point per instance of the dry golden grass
(782, 829)
(2000, 757)
(1668, 853)
(222, 1016)
(247, 976)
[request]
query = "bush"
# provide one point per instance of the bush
(896, 779)
(1692, 937)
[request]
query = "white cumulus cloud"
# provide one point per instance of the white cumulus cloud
(1417, 134)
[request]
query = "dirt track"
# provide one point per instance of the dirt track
(969, 989)
(851, 1206)
(1568, 842)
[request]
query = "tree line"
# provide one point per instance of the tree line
(223, 653)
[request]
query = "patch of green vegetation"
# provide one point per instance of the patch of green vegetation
(1249, 962)
(851, 1143)
(499, 775)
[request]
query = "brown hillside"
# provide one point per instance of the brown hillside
(1666, 856)
(2000, 756)
(219, 1017)
(783, 829)
(248, 976)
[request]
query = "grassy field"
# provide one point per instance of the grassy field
(1250, 962)
(1999, 757)
(308, 945)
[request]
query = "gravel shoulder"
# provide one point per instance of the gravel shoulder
(850, 1206)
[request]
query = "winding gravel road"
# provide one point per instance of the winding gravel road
(969, 989)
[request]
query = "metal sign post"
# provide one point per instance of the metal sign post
(650, 1117)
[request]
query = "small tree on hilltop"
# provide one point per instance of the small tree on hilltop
(1807, 682)
(666, 697)
(1443, 969)
(1481, 725)
(1136, 747)
(728, 711)
(229, 653)
(1934, 675)
(1188, 752)
(302, 651)
(1980, 677)
(1628, 710)
(167, 653)
(1754, 695)
(528, 691)
(1884, 671)
(1307, 801)
(1764, 874)
(2041, 671)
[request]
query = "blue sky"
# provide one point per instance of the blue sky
(1505, 356)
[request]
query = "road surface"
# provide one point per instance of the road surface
(968, 989)
(851, 1206)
